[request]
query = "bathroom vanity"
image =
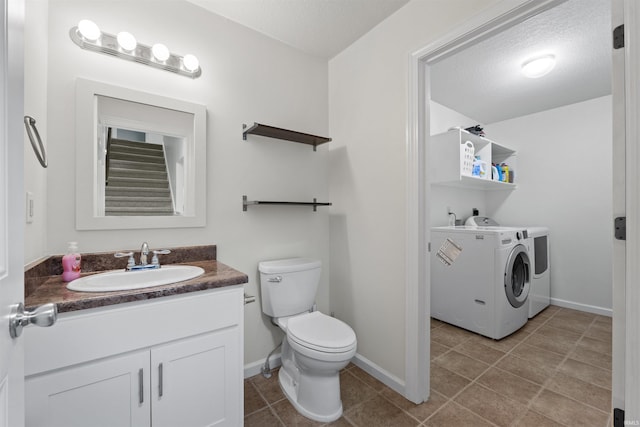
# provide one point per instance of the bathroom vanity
(163, 356)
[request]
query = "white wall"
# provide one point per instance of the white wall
(368, 174)
(246, 77)
(564, 180)
(35, 105)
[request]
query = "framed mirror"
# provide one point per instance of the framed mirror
(140, 159)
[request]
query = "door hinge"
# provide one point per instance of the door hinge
(618, 37)
(618, 417)
(620, 228)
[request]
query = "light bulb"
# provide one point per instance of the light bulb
(89, 30)
(190, 62)
(126, 41)
(539, 66)
(160, 52)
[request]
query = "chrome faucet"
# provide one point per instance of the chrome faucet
(144, 251)
(144, 263)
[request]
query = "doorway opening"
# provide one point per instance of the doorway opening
(430, 204)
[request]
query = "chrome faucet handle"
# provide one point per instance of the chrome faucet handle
(155, 260)
(130, 262)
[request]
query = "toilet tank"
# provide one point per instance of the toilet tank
(288, 286)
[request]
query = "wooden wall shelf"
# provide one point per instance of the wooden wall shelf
(284, 134)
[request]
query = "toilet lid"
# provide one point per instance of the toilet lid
(321, 332)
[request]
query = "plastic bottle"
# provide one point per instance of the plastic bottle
(505, 172)
(71, 263)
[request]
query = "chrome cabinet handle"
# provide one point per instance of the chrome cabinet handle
(45, 315)
(141, 386)
(160, 380)
(276, 279)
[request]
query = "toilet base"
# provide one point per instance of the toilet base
(290, 387)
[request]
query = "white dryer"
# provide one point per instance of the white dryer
(540, 291)
(480, 278)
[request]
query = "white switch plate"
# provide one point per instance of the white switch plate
(30, 207)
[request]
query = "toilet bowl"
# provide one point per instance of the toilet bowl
(316, 346)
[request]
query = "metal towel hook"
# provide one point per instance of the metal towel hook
(30, 122)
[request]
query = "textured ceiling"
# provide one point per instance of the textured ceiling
(484, 82)
(321, 28)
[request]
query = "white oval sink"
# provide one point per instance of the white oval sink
(119, 280)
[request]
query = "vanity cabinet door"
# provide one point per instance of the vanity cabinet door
(198, 381)
(110, 392)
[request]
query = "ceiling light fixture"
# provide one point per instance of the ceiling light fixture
(88, 36)
(539, 66)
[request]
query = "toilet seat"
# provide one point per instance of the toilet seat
(319, 332)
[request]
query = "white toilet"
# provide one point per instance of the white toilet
(316, 346)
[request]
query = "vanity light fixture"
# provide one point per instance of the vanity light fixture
(88, 30)
(190, 62)
(88, 36)
(160, 52)
(538, 66)
(126, 41)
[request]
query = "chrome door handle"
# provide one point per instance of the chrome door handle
(45, 315)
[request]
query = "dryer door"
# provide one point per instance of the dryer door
(517, 276)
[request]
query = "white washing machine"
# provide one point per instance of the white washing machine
(480, 278)
(540, 290)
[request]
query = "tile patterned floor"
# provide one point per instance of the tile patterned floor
(555, 371)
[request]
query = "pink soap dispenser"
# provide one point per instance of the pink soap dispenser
(71, 263)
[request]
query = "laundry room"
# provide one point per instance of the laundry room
(557, 131)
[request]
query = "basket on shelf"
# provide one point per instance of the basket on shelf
(466, 158)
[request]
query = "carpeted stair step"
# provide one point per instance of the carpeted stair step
(138, 211)
(137, 182)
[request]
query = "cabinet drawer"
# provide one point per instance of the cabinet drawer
(87, 335)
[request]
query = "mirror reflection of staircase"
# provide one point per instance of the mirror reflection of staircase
(137, 182)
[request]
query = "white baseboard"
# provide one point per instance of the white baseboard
(582, 307)
(255, 368)
(380, 374)
(388, 379)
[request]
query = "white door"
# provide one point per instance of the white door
(619, 246)
(626, 321)
(11, 210)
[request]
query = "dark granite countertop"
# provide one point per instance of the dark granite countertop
(42, 288)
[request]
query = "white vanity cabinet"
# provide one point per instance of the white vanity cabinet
(172, 361)
(446, 160)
